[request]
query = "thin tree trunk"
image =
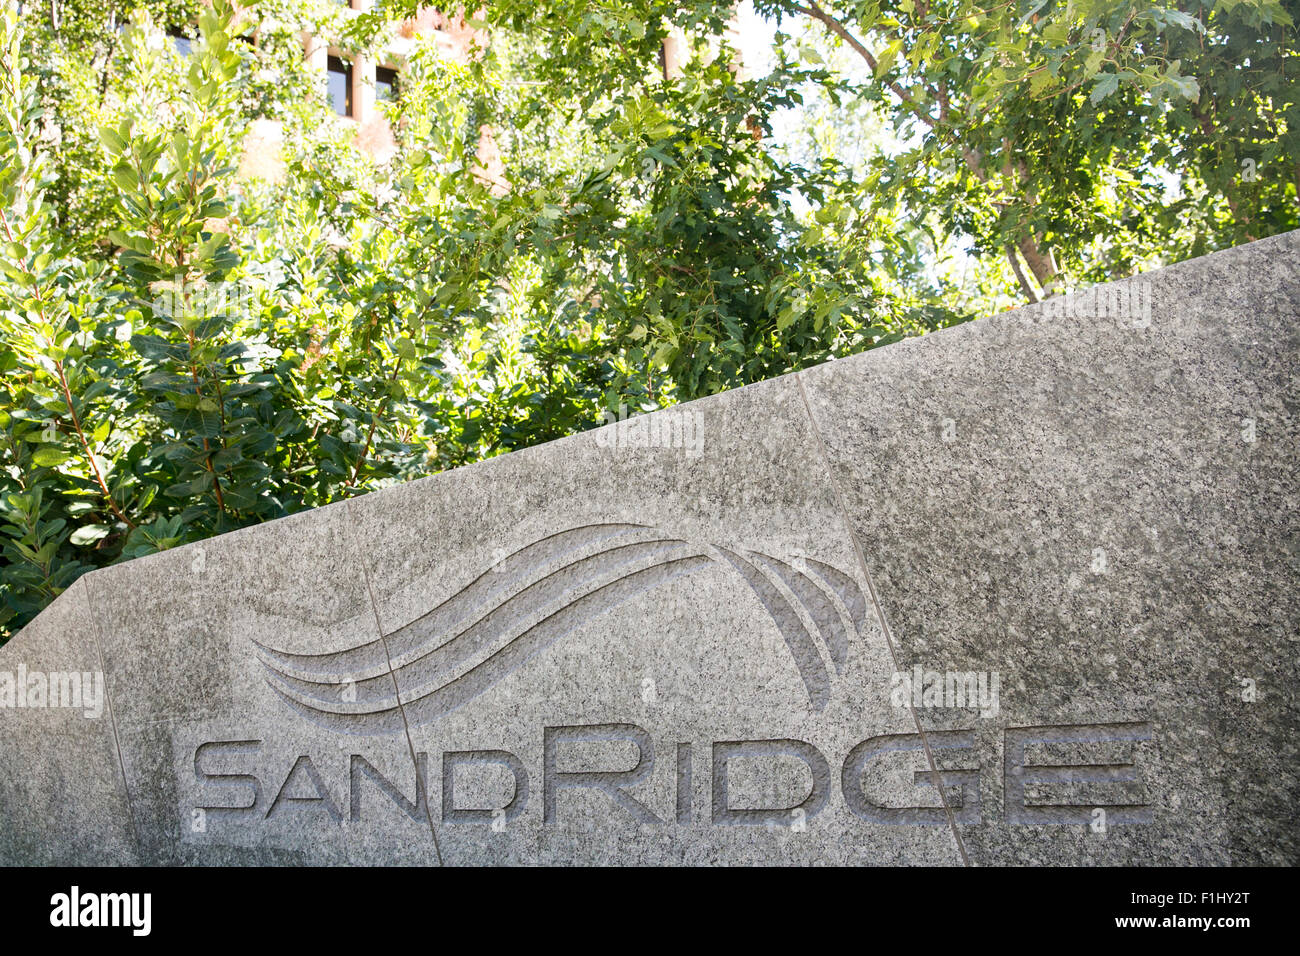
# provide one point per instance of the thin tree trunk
(1025, 287)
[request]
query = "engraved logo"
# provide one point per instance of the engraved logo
(533, 597)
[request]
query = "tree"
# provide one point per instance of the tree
(188, 350)
(1048, 130)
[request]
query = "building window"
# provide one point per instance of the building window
(180, 41)
(339, 72)
(386, 86)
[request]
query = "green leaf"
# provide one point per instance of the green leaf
(1104, 86)
(89, 534)
(1187, 87)
(885, 62)
(187, 489)
(110, 138)
(125, 178)
(49, 456)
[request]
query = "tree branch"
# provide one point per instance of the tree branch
(374, 420)
(1025, 287)
(67, 392)
(817, 13)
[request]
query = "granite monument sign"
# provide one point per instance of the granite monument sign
(1023, 591)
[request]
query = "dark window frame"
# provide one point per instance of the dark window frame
(393, 82)
(336, 65)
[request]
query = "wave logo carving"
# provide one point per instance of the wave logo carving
(532, 598)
